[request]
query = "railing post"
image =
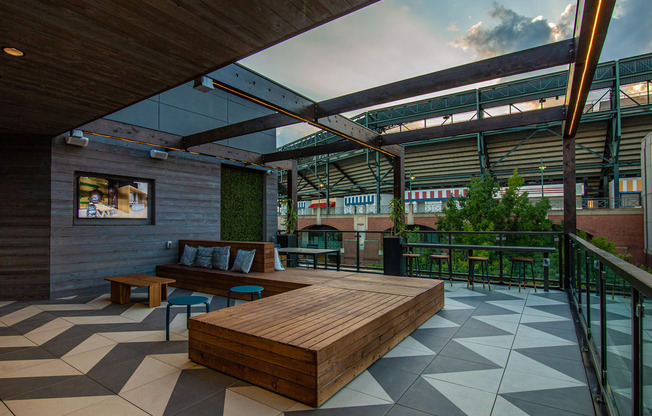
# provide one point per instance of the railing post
(603, 326)
(638, 312)
(560, 258)
(588, 293)
(546, 272)
(500, 243)
(577, 254)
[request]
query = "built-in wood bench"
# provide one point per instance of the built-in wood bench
(310, 342)
(263, 260)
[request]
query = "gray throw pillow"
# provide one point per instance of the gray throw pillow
(204, 257)
(221, 257)
(189, 256)
(243, 261)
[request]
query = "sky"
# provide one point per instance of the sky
(398, 39)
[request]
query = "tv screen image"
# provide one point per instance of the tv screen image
(112, 198)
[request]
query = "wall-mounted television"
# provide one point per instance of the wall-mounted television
(101, 197)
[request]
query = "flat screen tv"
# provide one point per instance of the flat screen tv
(111, 198)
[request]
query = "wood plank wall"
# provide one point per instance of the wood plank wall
(187, 206)
(25, 217)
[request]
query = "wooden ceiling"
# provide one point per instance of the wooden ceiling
(88, 58)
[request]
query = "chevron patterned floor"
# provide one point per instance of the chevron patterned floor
(485, 353)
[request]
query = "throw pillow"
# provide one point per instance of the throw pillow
(189, 256)
(277, 261)
(204, 257)
(221, 257)
(243, 261)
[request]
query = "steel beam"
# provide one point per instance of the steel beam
(399, 177)
(254, 87)
(346, 175)
(449, 130)
(542, 57)
(589, 38)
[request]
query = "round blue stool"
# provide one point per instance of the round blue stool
(187, 301)
(244, 289)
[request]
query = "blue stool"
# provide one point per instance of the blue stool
(187, 301)
(244, 289)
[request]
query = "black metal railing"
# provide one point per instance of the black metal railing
(610, 297)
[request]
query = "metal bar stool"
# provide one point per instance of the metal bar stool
(409, 258)
(521, 264)
(484, 270)
(440, 258)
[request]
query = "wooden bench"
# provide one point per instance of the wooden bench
(310, 342)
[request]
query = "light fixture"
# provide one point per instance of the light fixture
(158, 154)
(203, 84)
(76, 138)
(270, 171)
(13, 51)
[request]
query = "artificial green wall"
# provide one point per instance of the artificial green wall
(242, 204)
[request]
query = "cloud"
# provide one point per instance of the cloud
(515, 32)
(630, 30)
(453, 28)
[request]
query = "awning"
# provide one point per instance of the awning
(321, 205)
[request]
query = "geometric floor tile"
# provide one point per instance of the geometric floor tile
(496, 352)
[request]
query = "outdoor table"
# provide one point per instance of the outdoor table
(500, 249)
(314, 252)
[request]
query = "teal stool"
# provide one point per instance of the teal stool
(244, 289)
(187, 301)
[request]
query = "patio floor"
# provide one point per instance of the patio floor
(485, 353)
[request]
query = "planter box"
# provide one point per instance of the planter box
(393, 263)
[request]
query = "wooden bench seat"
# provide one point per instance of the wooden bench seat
(310, 342)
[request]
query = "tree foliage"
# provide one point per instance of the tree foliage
(483, 210)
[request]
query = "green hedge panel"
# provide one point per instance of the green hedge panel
(242, 202)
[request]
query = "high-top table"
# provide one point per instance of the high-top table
(121, 288)
(314, 252)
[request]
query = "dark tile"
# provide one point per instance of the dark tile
(558, 331)
(477, 330)
(29, 353)
(569, 352)
(430, 338)
(77, 386)
(456, 358)
(414, 365)
(67, 340)
(212, 405)
(33, 322)
(6, 331)
(376, 410)
(559, 310)
(570, 399)
(213, 379)
(422, 396)
(188, 391)
(445, 333)
(534, 409)
(571, 368)
(12, 387)
(119, 354)
(489, 309)
(399, 410)
(395, 382)
(116, 376)
(458, 316)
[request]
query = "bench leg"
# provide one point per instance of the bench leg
(154, 295)
(164, 291)
(120, 293)
(228, 299)
(167, 323)
(187, 316)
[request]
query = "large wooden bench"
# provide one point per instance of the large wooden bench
(310, 342)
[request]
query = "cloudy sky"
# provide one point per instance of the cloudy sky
(397, 39)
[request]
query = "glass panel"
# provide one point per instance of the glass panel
(619, 342)
(647, 357)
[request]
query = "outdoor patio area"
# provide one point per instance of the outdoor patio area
(498, 352)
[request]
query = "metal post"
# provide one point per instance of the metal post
(570, 219)
(616, 123)
(546, 273)
(603, 326)
(560, 250)
(328, 187)
(587, 265)
(357, 251)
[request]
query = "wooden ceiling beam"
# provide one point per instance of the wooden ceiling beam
(541, 57)
(590, 37)
(254, 87)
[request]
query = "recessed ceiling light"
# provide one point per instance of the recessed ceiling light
(12, 51)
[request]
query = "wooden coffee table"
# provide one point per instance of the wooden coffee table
(121, 288)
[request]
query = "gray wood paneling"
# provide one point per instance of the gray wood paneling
(186, 205)
(25, 217)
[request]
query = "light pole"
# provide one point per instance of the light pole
(542, 167)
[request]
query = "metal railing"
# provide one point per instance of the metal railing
(610, 297)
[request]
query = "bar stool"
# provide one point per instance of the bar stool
(484, 270)
(440, 258)
(409, 258)
(521, 263)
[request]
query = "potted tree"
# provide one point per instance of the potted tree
(289, 239)
(392, 246)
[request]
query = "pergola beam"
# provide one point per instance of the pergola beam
(254, 87)
(547, 115)
(542, 57)
(590, 37)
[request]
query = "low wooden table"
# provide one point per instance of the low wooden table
(121, 288)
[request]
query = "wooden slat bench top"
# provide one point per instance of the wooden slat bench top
(139, 280)
(310, 342)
